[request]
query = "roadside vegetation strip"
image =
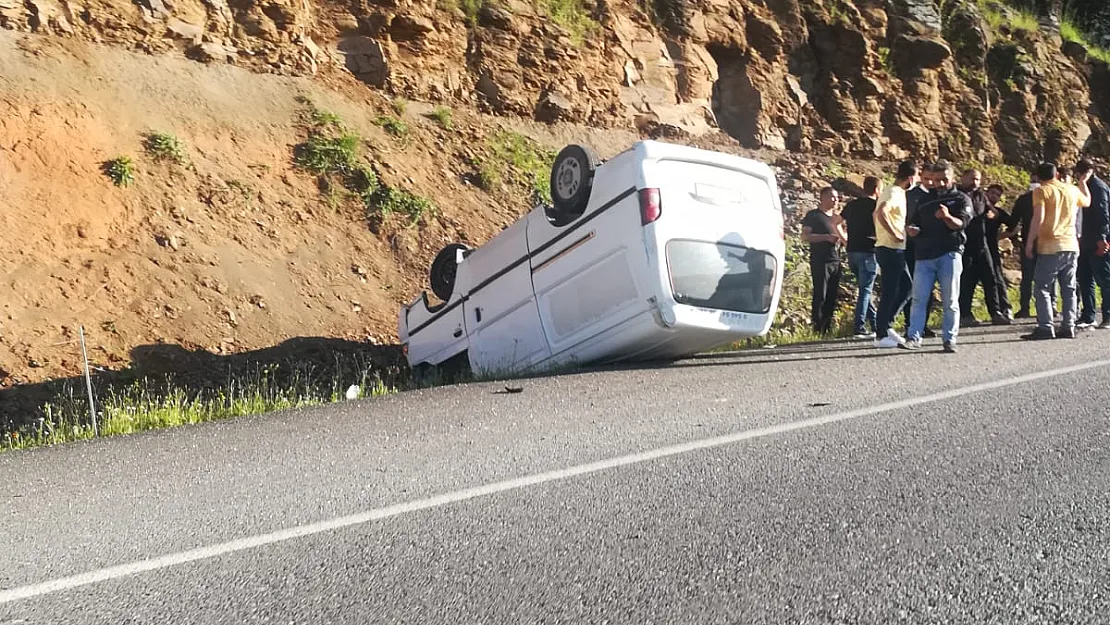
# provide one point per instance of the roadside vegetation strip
(152, 402)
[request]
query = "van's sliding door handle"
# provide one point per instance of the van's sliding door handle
(478, 315)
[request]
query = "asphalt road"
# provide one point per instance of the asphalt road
(820, 484)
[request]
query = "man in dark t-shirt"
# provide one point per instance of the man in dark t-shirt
(1020, 219)
(824, 230)
(914, 197)
(859, 216)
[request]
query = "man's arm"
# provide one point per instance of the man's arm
(959, 216)
(1035, 224)
(1084, 191)
(1100, 203)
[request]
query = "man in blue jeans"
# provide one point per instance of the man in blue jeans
(859, 217)
(937, 228)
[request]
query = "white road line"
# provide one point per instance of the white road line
(261, 540)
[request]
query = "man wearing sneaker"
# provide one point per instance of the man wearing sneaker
(859, 216)
(938, 228)
(890, 252)
(1054, 244)
(1094, 262)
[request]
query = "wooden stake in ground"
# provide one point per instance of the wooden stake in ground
(88, 381)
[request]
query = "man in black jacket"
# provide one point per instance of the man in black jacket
(937, 228)
(997, 218)
(978, 265)
(1094, 261)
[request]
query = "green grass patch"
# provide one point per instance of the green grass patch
(470, 9)
(389, 201)
(442, 116)
(332, 151)
(165, 147)
(393, 126)
(523, 162)
(1000, 16)
(1070, 31)
(572, 15)
(328, 154)
(121, 170)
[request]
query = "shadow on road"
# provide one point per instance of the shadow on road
(311, 364)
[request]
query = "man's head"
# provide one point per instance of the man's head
(943, 175)
(871, 186)
(1046, 172)
(994, 194)
(906, 176)
(971, 179)
(829, 198)
(1084, 169)
(927, 179)
(1063, 175)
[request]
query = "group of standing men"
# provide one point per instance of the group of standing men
(926, 229)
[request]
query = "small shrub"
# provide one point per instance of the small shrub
(393, 126)
(885, 61)
(389, 201)
(573, 15)
(165, 147)
(442, 115)
(322, 154)
(321, 118)
(470, 9)
(121, 170)
(400, 105)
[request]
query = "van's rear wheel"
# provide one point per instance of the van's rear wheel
(443, 271)
(572, 178)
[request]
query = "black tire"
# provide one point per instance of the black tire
(442, 273)
(572, 178)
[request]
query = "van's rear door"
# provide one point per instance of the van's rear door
(716, 235)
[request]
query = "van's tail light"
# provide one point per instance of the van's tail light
(650, 208)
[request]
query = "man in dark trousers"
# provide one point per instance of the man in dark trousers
(978, 265)
(859, 216)
(938, 228)
(997, 218)
(1094, 261)
(823, 230)
(1018, 231)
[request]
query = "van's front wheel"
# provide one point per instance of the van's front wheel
(572, 177)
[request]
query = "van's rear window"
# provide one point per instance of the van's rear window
(720, 276)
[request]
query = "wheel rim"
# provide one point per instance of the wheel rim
(568, 178)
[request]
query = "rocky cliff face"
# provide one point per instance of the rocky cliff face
(966, 79)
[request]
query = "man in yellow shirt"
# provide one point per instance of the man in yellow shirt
(1054, 243)
(890, 251)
